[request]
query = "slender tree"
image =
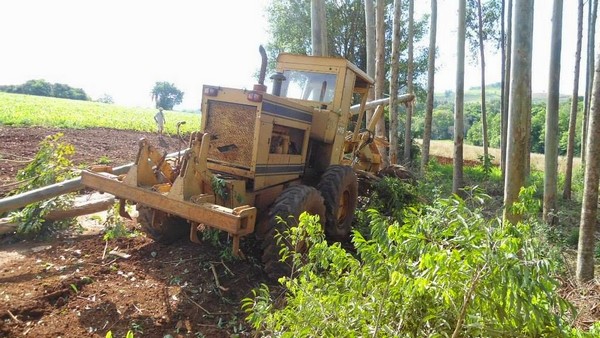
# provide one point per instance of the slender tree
(520, 107)
(318, 25)
(589, 74)
(409, 78)
(459, 130)
(430, 86)
(574, 106)
(502, 69)
(380, 71)
(484, 134)
(394, 83)
(551, 137)
(589, 206)
(370, 44)
(507, 81)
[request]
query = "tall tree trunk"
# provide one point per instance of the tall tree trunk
(589, 74)
(574, 106)
(551, 138)
(507, 82)
(394, 83)
(318, 28)
(430, 87)
(459, 129)
(380, 72)
(502, 76)
(484, 134)
(589, 207)
(520, 107)
(370, 37)
(409, 79)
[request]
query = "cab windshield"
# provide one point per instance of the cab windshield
(309, 86)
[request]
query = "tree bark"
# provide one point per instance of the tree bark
(589, 75)
(551, 137)
(319, 28)
(409, 79)
(370, 37)
(380, 72)
(507, 81)
(459, 129)
(484, 133)
(394, 83)
(574, 107)
(502, 76)
(430, 87)
(589, 207)
(520, 108)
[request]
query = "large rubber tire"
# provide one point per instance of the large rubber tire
(339, 188)
(288, 206)
(165, 229)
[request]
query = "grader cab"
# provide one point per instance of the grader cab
(259, 157)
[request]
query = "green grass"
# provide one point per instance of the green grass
(27, 110)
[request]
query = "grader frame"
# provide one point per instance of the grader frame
(258, 156)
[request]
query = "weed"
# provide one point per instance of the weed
(104, 160)
(50, 165)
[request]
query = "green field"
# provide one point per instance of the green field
(27, 110)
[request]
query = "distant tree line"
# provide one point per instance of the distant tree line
(45, 88)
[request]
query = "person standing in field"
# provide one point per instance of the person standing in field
(160, 120)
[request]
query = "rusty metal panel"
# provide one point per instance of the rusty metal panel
(232, 128)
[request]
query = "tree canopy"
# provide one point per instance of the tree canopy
(45, 88)
(166, 95)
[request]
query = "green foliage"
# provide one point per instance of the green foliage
(50, 165)
(444, 269)
(44, 88)
(166, 95)
(26, 110)
(114, 227)
(289, 24)
(128, 335)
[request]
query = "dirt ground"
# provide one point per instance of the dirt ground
(73, 287)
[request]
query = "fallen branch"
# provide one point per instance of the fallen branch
(216, 278)
(13, 317)
(203, 309)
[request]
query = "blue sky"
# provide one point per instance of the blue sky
(122, 48)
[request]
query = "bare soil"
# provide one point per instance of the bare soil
(70, 286)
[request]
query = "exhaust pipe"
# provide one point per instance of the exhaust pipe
(260, 87)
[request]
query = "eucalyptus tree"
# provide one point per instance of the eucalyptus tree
(589, 206)
(380, 72)
(319, 28)
(520, 108)
(506, 86)
(430, 86)
(483, 21)
(551, 137)
(459, 101)
(574, 106)
(409, 80)
(589, 75)
(394, 82)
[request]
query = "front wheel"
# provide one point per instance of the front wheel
(288, 207)
(160, 226)
(339, 188)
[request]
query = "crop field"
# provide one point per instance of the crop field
(27, 110)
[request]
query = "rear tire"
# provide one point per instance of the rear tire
(165, 229)
(289, 205)
(339, 188)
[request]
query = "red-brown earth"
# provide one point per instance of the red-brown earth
(70, 286)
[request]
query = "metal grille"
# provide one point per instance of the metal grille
(231, 126)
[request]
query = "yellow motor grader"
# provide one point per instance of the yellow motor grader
(260, 156)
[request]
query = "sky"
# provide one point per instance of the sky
(123, 47)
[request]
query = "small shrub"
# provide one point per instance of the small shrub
(50, 165)
(443, 270)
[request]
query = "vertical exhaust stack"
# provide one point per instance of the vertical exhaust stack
(260, 86)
